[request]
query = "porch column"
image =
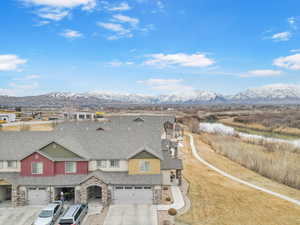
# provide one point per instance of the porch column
(14, 195)
(179, 176)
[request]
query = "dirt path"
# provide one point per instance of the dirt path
(217, 200)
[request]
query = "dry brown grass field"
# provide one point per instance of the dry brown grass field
(217, 200)
(32, 127)
(279, 162)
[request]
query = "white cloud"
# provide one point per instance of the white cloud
(42, 23)
(292, 22)
(119, 63)
(282, 36)
(160, 4)
(10, 62)
(55, 14)
(118, 29)
(72, 34)
(291, 62)
(56, 10)
(123, 6)
(295, 50)
(126, 19)
(26, 86)
(85, 4)
(114, 27)
(180, 59)
(262, 73)
(148, 28)
(167, 85)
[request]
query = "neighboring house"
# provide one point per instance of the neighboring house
(79, 116)
(8, 117)
(120, 160)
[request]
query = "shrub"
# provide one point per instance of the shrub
(172, 212)
(168, 199)
(165, 188)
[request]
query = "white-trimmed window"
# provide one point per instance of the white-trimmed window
(71, 167)
(37, 168)
(11, 164)
(102, 163)
(145, 166)
(114, 163)
(1, 164)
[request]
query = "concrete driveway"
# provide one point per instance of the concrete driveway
(18, 216)
(131, 215)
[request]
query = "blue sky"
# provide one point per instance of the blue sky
(147, 46)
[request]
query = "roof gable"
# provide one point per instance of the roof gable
(144, 153)
(57, 151)
(138, 119)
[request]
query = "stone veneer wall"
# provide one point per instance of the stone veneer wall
(93, 181)
(18, 196)
(157, 195)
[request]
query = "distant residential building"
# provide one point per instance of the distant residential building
(79, 116)
(8, 117)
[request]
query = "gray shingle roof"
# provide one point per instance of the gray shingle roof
(170, 163)
(121, 178)
(121, 138)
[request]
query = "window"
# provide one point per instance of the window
(11, 164)
(70, 167)
(37, 168)
(144, 166)
(101, 164)
(114, 163)
(56, 208)
(1, 165)
(78, 213)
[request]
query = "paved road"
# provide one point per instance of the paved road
(131, 215)
(18, 216)
(197, 156)
(26, 215)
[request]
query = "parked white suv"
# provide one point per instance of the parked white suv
(50, 214)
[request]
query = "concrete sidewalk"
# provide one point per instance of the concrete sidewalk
(178, 200)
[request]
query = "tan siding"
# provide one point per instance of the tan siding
(134, 166)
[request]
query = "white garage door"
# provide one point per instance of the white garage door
(37, 196)
(133, 195)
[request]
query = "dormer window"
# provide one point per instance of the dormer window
(138, 119)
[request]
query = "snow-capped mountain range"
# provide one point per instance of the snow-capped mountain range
(272, 94)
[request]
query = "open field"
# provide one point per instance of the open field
(29, 127)
(279, 162)
(216, 200)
